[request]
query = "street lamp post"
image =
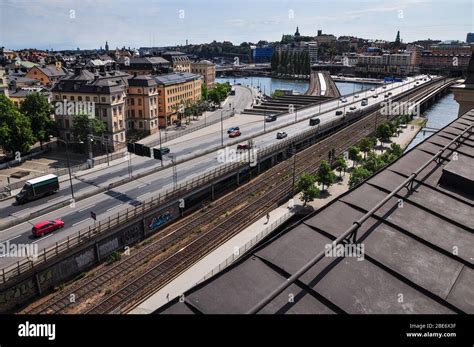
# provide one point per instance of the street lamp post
(68, 164)
(294, 170)
(161, 156)
(222, 129)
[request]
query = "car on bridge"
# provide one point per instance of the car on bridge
(375, 96)
(338, 113)
(356, 95)
(164, 150)
(244, 146)
(46, 227)
(352, 108)
(235, 133)
(364, 102)
(231, 130)
(271, 118)
(314, 121)
(281, 135)
(372, 89)
(343, 100)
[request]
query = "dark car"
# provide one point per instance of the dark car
(270, 118)
(46, 227)
(281, 135)
(338, 113)
(235, 133)
(164, 150)
(243, 146)
(231, 130)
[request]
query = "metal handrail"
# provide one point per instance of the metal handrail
(352, 230)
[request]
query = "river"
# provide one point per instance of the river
(269, 85)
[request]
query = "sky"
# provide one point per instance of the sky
(87, 24)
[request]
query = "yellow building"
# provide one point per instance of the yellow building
(174, 90)
(179, 61)
(207, 70)
(142, 104)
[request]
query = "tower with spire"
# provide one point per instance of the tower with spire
(106, 46)
(297, 33)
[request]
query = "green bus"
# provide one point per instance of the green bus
(37, 188)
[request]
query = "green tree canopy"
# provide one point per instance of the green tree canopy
(341, 165)
(354, 154)
(38, 109)
(325, 176)
(358, 175)
(15, 128)
(384, 132)
(83, 125)
(306, 184)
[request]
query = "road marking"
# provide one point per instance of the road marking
(43, 238)
(82, 221)
(59, 197)
(11, 238)
(19, 212)
(86, 208)
(114, 207)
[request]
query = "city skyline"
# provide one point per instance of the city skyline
(60, 25)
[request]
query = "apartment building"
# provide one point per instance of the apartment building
(145, 66)
(142, 104)
(207, 70)
(176, 89)
(99, 93)
(179, 61)
(47, 74)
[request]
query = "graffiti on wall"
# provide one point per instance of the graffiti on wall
(159, 220)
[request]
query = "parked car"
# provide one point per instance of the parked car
(281, 135)
(364, 102)
(352, 108)
(384, 87)
(231, 130)
(314, 121)
(375, 96)
(338, 113)
(372, 89)
(235, 133)
(271, 118)
(46, 227)
(164, 150)
(356, 95)
(386, 95)
(343, 100)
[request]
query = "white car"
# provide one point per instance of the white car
(343, 100)
(356, 95)
(372, 90)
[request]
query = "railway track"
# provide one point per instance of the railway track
(252, 201)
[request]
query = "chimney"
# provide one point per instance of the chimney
(77, 70)
(102, 69)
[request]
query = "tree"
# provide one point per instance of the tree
(384, 132)
(326, 176)
(204, 92)
(354, 155)
(341, 165)
(306, 185)
(277, 94)
(395, 149)
(366, 145)
(38, 109)
(15, 128)
(83, 125)
(358, 175)
(374, 162)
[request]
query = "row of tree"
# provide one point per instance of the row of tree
(363, 153)
(291, 63)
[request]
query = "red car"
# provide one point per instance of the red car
(243, 147)
(235, 133)
(46, 227)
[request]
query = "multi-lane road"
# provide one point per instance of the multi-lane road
(190, 146)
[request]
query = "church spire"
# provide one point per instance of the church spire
(106, 46)
(297, 32)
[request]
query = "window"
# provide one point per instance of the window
(104, 112)
(139, 102)
(140, 113)
(72, 98)
(132, 101)
(88, 98)
(115, 125)
(96, 98)
(140, 124)
(133, 113)
(102, 99)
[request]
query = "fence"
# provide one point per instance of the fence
(246, 247)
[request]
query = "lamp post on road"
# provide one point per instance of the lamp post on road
(222, 129)
(69, 163)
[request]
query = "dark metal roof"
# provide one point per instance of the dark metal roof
(418, 257)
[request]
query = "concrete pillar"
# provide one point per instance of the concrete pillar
(238, 178)
(97, 252)
(212, 192)
(38, 285)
